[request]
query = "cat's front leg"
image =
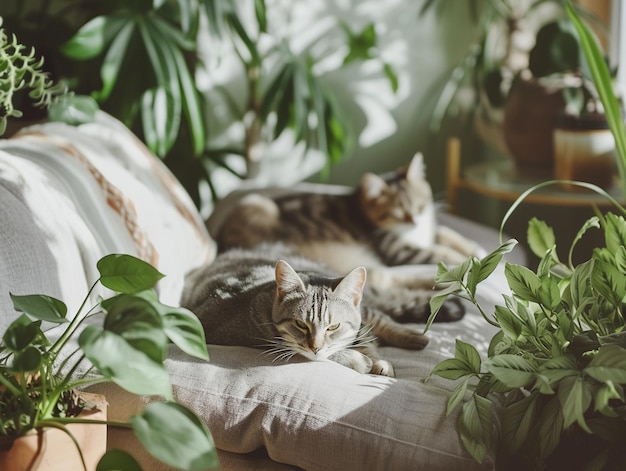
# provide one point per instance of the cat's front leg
(364, 360)
(379, 366)
(353, 359)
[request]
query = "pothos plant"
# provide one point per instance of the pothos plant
(41, 371)
(552, 392)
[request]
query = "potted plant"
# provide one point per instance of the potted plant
(552, 392)
(505, 31)
(43, 372)
(552, 93)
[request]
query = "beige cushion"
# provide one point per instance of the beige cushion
(322, 416)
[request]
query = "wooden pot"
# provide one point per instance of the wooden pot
(53, 450)
(530, 117)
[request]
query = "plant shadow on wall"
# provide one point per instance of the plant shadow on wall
(140, 61)
(551, 394)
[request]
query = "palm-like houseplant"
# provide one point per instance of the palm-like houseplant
(140, 60)
(552, 392)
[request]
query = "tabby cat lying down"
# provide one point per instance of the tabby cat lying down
(248, 298)
(385, 223)
(251, 296)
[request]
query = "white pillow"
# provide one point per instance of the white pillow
(323, 416)
(72, 194)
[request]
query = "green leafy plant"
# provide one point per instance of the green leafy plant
(556, 367)
(22, 70)
(552, 392)
(40, 374)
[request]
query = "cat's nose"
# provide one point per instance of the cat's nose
(314, 347)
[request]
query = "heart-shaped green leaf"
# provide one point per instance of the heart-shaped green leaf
(127, 274)
(181, 326)
(134, 319)
(126, 366)
(21, 333)
(117, 460)
(174, 435)
(40, 306)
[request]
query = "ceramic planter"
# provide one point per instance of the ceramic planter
(53, 450)
(584, 150)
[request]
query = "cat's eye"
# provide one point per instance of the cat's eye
(301, 325)
(332, 327)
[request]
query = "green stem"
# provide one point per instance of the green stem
(78, 318)
(474, 301)
(84, 382)
(59, 426)
(532, 189)
(540, 346)
(604, 86)
(7, 384)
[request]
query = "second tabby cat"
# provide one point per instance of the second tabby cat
(386, 222)
(255, 298)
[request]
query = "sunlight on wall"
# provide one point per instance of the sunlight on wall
(390, 127)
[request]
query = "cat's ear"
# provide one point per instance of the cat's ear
(352, 285)
(372, 186)
(287, 280)
(416, 170)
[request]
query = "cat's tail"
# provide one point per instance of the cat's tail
(391, 332)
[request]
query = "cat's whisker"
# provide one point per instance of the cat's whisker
(359, 344)
(284, 355)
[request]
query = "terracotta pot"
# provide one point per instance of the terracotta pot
(530, 117)
(53, 450)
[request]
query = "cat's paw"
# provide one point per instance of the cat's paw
(383, 368)
(353, 359)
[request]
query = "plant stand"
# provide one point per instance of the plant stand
(53, 450)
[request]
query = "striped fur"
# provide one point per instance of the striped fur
(386, 222)
(294, 308)
(245, 297)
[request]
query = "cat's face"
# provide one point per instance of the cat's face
(397, 201)
(316, 321)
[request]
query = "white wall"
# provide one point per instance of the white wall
(390, 127)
